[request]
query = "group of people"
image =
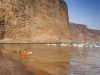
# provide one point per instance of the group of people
(23, 54)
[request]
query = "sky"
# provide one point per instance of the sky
(84, 12)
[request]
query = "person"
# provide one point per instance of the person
(17, 56)
(24, 55)
(17, 51)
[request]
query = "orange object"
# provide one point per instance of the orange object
(24, 53)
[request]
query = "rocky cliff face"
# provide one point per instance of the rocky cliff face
(40, 21)
(80, 33)
(33, 20)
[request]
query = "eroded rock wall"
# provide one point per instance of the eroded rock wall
(33, 20)
(81, 33)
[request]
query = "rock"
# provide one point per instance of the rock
(37, 21)
(40, 21)
(82, 33)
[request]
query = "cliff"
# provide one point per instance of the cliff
(40, 21)
(37, 21)
(81, 33)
